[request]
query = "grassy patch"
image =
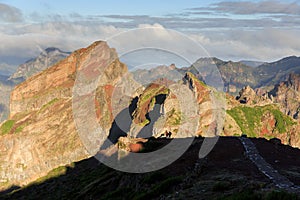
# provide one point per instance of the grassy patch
(192, 76)
(49, 104)
(152, 91)
(20, 128)
(52, 174)
(249, 119)
(7, 126)
(282, 121)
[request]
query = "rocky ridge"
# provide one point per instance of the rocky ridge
(40, 133)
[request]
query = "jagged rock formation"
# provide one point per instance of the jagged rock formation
(237, 75)
(157, 111)
(248, 96)
(287, 94)
(203, 98)
(40, 134)
(157, 103)
(47, 58)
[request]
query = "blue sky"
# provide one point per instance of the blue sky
(231, 30)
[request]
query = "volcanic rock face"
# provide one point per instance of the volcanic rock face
(47, 58)
(211, 109)
(40, 134)
(248, 96)
(287, 94)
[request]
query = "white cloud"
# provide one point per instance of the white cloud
(267, 44)
(10, 14)
(262, 7)
(224, 37)
(26, 41)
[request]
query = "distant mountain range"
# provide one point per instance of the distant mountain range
(41, 135)
(236, 75)
(251, 63)
(47, 58)
(8, 78)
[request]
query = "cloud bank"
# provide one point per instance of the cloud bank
(10, 14)
(264, 30)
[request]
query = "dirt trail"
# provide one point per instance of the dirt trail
(280, 181)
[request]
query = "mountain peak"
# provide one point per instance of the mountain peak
(47, 58)
(50, 49)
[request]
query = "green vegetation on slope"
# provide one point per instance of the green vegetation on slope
(53, 174)
(152, 91)
(249, 119)
(7, 126)
(49, 104)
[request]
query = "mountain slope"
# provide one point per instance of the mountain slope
(273, 73)
(40, 133)
(46, 59)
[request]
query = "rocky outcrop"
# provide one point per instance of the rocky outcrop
(250, 97)
(40, 134)
(210, 108)
(159, 105)
(287, 95)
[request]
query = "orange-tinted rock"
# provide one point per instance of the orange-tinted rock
(136, 147)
